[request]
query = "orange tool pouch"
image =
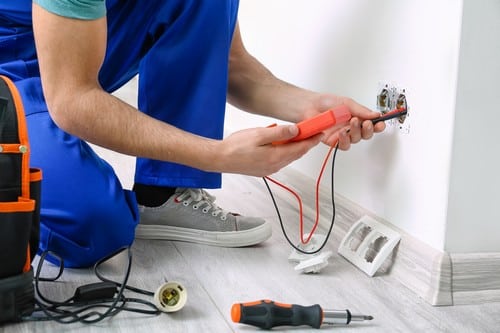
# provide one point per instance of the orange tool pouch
(19, 208)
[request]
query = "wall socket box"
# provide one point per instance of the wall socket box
(390, 96)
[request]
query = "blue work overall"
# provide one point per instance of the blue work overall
(180, 50)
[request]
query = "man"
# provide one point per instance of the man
(190, 59)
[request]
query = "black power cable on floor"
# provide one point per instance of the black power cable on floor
(84, 305)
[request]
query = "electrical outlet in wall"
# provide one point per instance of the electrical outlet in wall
(390, 96)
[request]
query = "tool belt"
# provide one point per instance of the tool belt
(19, 208)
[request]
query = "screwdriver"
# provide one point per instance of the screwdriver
(268, 314)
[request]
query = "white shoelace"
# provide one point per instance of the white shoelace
(201, 199)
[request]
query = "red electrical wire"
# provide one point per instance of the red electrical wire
(318, 182)
(386, 116)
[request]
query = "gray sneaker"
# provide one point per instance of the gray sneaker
(191, 215)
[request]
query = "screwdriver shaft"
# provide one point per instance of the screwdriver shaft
(343, 317)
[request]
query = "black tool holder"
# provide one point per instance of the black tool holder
(19, 208)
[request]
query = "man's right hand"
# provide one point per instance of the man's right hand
(252, 152)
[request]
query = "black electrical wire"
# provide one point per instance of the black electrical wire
(389, 115)
(54, 310)
(73, 310)
(296, 248)
(103, 279)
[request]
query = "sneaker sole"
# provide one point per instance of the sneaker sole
(215, 238)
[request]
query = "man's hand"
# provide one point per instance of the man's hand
(253, 88)
(359, 127)
(252, 152)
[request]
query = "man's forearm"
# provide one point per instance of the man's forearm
(260, 92)
(253, 88)
(103, 119)
(70, 54)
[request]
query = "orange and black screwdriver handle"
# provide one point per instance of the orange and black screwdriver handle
(268, 314)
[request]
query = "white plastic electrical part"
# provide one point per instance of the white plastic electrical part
(310, 263)
(314, 264)
(170, 297)
(368, 244)
(314, 243)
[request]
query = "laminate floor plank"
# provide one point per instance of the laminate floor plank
(153, 262)
(216, 278)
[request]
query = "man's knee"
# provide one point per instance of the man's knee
(85, 233)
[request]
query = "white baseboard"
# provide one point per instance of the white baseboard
(476, 277)
(438, 277)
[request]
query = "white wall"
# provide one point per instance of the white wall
(474, 214)
(348, 47)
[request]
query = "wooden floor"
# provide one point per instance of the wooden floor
(218, 277)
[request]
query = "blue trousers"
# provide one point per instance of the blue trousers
(180, 50)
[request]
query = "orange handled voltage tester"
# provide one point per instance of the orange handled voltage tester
(312, 126)
(321, 122)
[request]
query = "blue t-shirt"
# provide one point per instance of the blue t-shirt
(79, 9)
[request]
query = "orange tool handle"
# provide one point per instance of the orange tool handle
(268, 314)
(317, 124)
(323, 121)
